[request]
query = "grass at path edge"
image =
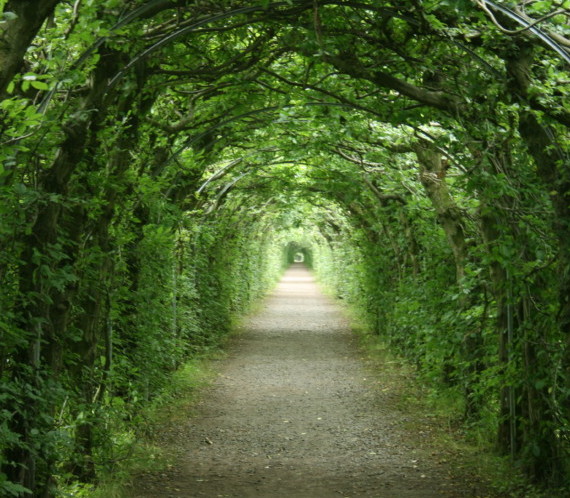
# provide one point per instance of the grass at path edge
(437, 413)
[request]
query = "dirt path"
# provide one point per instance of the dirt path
(294, 414)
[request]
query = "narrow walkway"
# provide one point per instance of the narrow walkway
(293, 414)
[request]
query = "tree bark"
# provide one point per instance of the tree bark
(432, 177)
(543, 144)
(17, 33)
(44, 308)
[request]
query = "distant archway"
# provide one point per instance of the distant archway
(298, 253)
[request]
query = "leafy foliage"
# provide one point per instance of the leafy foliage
(162, 162)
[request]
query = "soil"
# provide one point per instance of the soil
(295, 412)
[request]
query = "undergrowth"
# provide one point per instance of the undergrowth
(134, 448)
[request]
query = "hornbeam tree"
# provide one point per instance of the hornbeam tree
(157, 155)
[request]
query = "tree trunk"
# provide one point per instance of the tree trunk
(552, 167)
(432, 176)
(44, 306)
(17, 32)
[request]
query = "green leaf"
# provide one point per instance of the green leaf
(543, 5)
(539, 384)
(39, 85)
(9, 16)
(435, 22)
(13, 489)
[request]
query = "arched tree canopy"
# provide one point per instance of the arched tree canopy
(161, 160)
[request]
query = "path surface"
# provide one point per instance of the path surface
(293, 413)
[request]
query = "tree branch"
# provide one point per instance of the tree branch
(349, 64)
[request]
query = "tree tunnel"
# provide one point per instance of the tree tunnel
(162, 161)
(296, 252)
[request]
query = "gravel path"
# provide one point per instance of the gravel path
(294, 413)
